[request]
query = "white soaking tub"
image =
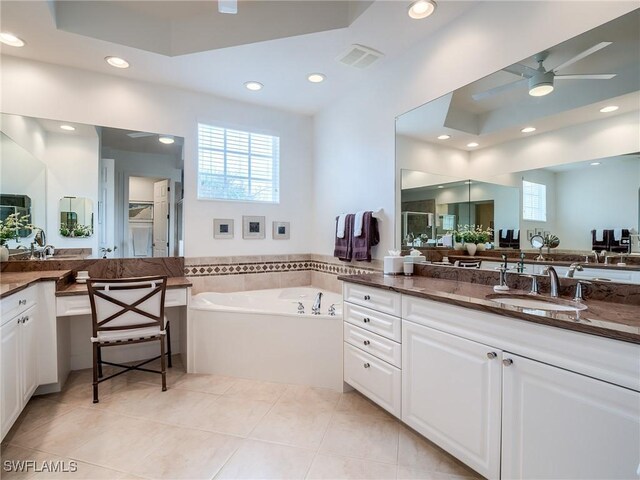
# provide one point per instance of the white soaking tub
(260, 335)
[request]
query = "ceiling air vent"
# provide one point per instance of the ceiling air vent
(359, 56)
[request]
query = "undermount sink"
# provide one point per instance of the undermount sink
(537, 302)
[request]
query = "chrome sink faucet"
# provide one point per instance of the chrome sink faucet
(572, 269)
(315, 310)
(553, 278)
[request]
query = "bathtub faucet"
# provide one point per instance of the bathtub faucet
(315, 310)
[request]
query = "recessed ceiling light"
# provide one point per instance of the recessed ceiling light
(117, 62)
(440, 186)
(594, 164)
(166, 139)
(316, 77)
(10, 39)
(421, 9)
(472, 144)
(609, 109)
(528, 129)
(253, 86)
(68, 128)
(444, 137)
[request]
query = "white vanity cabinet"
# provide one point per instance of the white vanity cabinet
(19, 355)
(372, 350)
(451, 393)
(560, 424)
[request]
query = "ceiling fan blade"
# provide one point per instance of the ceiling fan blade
(139, 134)
(580, 56)
(228, 6)
(521, 70)
(497, 90)
(586, 76)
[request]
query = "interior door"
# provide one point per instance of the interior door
(106, 204)
(161, 218)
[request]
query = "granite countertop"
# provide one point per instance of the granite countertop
(607, 319)
(528, 261)
(81, 288)
(12, 282)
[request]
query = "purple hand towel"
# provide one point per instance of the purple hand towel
(343, 249)
(370, 237)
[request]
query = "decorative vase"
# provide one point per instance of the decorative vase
(480, 247)
(4, 254)
(458, 246)
(471, 248)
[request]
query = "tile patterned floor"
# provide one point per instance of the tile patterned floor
(209, 426)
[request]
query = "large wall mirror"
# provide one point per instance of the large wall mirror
(523, 152)
(113, 192)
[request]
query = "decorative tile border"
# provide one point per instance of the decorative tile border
(243, 268)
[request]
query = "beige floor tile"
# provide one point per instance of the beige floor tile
(234, 416)
(330, 467)
(121, 443)
(216, 384)
(37, 412)
(417, 473)
(366, 437)
(261, 460)
(256, 390)
(78, 389)
(354, 403)
(187, 454)
(421, 454)
(321, 398)
(294, 424)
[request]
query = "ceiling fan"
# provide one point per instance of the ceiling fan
(166, 139)
(541, 80)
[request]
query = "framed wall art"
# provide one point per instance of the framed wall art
(222, 228)
(281, 230)
(253, 227)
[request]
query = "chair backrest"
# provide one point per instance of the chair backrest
(468, 263)
(127, 303)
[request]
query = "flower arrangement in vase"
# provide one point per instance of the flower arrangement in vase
(474, 237)
(10, 229)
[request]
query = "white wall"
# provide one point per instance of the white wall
(141, 189)
(355, 136)
(57, 92)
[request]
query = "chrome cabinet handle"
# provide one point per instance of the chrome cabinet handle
(367, 297)
(507, 362)
(25, 319)
(366, 342)
(367, 365)
(491, 355)
(366, 319)
(22, 302)
(19, 320)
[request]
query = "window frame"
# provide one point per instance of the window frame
(524, 194)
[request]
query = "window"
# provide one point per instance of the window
(236, 165)
(534, 201)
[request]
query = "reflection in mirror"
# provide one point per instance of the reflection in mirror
(556, 165)
(76, 217)
(17, 205)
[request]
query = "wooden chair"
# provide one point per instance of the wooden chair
(126, 311)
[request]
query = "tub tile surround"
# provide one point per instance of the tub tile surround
(255, 272)
(259, 430)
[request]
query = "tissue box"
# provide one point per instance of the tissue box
(393, 265)
(415, 258)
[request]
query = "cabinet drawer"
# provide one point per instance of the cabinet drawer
(374, 378)
(381, 347)
(374, 321)
(18, 302)
(381, 300)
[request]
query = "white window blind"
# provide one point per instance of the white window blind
(534, 201)
(237, 165)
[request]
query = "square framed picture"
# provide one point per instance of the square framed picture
(539, 231)
(222, 228)
(253, 227)
(281, 230)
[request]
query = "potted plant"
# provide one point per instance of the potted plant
(9, 230)
(483, 237)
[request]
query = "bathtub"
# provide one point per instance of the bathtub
(260, 335)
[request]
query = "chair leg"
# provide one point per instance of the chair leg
(99, 361)
(96, 349)
(168, 329)
(162, 365)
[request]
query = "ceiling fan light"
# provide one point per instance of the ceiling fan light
(420, 9)
(166, 139)
(541, 84)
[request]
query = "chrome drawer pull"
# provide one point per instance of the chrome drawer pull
(22, 302)
(366, 320)
(367, 297)
(367, 342)
(491, 355)
(25, 319)
(507, 362)
(366, 365)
